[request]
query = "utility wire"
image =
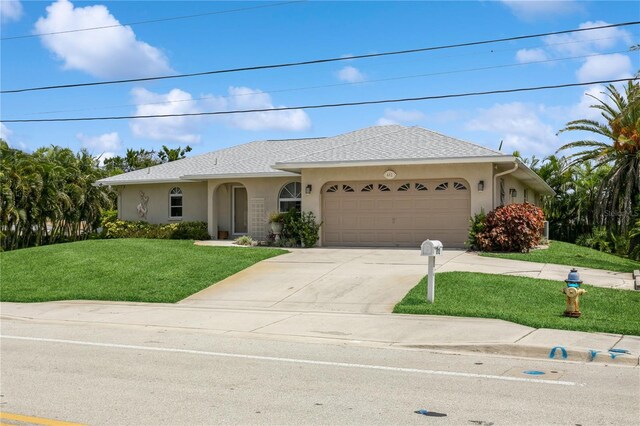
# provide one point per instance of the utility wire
(320, 106)
(150, 21)
(318, 61)
(324, 86)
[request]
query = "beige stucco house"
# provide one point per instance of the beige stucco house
(379, 186)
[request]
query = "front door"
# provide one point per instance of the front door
(239, 210)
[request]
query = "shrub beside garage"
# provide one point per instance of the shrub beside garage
(509, 228)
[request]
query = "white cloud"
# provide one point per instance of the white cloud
(107, 53)
(5, 132)
(351, 74)
(519, 126)
(10, 10)
(531, 55)
(106, 143)
(180, 129)
(605, 67)
(396, 116)
(185, 129)
(587, 42)
(583, 108)
(243, 98)
(529, 10)
(385, 122)
(7, 135)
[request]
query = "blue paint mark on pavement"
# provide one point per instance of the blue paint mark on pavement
(552, 354)
(619, 351)
(430, 413)
(534, 372)
(592, 354)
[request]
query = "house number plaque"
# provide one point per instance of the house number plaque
(389, 174)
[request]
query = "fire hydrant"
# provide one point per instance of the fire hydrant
(573, 292)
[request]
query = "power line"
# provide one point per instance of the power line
(324, 86)
(321, 106)
(318, 61)
(150, 21)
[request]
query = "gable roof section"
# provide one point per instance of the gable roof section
(390, 145)
(250, 159)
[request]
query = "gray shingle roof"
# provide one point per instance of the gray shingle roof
(378, 143)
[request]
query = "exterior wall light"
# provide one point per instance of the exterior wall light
(481, 186)
(307, 189)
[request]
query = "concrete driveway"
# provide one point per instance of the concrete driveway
(323, 279)
(362, 280)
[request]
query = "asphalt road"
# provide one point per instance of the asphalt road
(118, 375)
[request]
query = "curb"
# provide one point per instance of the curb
(557, 353)
(636, 280)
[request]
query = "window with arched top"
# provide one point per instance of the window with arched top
(290, 197)
(459, 186)
(175, 203)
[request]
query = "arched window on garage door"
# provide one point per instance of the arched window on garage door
(290, 197)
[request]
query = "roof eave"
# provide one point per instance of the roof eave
(393, 162)
(535, 181)
(106, 181)
(238, 175)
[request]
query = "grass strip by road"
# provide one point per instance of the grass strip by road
(562, 253)
(527, 301)
(134, 270)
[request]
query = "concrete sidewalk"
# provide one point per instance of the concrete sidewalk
(472, 262)
(437, 333)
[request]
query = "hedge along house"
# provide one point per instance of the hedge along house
(379, 186)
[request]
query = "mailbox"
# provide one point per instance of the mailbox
(431, 248)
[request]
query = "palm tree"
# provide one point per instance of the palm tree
(167, 154)
(48, 196)
(619, 191)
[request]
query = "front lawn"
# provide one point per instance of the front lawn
(527, 301)
(570, 254)
(135, 270)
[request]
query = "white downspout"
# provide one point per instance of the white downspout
(497, 175)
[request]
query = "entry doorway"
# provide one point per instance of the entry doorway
(239, 206)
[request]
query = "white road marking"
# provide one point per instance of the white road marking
(292, 360)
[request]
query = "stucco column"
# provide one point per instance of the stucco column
(212, 211)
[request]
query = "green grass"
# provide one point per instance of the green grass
(135, 270)
(527, 301)
(570, 254)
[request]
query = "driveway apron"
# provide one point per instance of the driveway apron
(324, 280)
(363, 280)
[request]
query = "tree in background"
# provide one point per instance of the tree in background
(619, 192)
(136, 159)
(570, 211)
(167, 155)
(48, 196)
(597, 201)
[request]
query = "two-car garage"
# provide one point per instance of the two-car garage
(396, 213)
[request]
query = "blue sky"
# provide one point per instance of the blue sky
(307, 30)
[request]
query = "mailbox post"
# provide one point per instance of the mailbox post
(431, 248)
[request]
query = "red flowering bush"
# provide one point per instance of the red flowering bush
(514, 228)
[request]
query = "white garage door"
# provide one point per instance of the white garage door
(396, 214)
